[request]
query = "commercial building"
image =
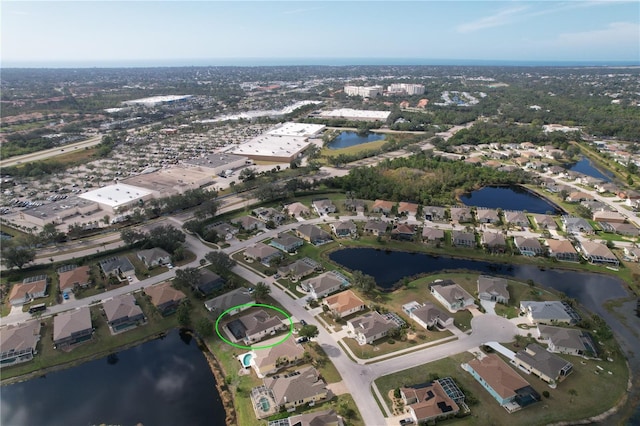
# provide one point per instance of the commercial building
(156, 100)
(218, 163)
(59, 211)
(118, 198)
(364, 91)
(173, 180)
(355, 114)
(406, 89)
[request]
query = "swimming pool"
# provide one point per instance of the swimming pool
(245, 359)
(264, 404)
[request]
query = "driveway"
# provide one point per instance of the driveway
(488, 306)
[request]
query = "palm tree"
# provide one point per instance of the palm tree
(261, 291)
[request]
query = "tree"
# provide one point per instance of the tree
(261, 291)
(167, 237)
(204, 327)
(247, 174)
(519, 340)
(366, 282)
(50, 234)
(309, 331)
(186, 277)
(131, 236)
(184, 314)
(17, 255)
(220, 261)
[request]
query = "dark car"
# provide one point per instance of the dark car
(303, 322)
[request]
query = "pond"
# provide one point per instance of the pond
(509, 198)
(346, 139)
(585, 166)
(166, 381)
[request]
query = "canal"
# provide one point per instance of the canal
(509, 198)
(166, 381)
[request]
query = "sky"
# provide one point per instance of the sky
(94, 33)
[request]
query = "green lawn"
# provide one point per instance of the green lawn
(384, 346)
(560, 406)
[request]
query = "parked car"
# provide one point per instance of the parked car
(302, 339)
(65, 296)
(303, 322)
(169, 265)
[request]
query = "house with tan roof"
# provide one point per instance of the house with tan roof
(297, 388)
(299, 269)
(313, 234)
(493, 289)
(571, 341)
(323, 206)
(297, 209)
(548, 367)
(493, 241)
(31, 288)
(562, 250)
(432, 235)
(516, 218)
(461, 214)
(72, 279)
(544, 221)
(403, 232)
(370, 327)
(72, 327)
(325, 283)
(382, 206)
(123, 313)
(249, 223)
(376, 227)
(607, 216)
(164, 297)
(262, 253)
(528, 246)
(451, 295)
(18, 343)
(505, 385)
(435, 213)
(154, 257)
(487, 216)
(316, 418)
(407, 208)
(344, 303)
(430, 401)
(274, 355)
(598, 253)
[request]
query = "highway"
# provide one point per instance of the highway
(48, 153)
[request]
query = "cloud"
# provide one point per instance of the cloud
(615, 32)
(499, 19)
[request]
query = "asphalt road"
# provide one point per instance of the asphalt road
(53, 152)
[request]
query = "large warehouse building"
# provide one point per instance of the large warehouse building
(173, 180)
(281, 143)
(355, 114)
(118, 198)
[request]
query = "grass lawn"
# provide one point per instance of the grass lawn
(518, 292)
(369, 146)
(560, 406)
(323, 363)
(384, 346)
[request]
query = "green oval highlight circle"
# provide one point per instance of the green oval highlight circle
(279, 342)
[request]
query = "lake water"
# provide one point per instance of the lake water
(162, 382)
(586, 167)
(346, 139)
(509, 198)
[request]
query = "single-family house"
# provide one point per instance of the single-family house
(427, 315)
(528, 246)
(407, 208)
(544, 221)
(404, 232)
(255, 326)
(370, 327)
(576, 225)
(117, 266)
(598, 253)
(286, 242)
(344, 229)
(273, 355)
(564, 340)
(164, 297)
(608, 216)
(269, 213)
(626, 229)
(504, 384)
(376, 227)
(249, 223)
(208, 282)
(123, 313)
(493, 289)
(324, 206)
(461, 214)
(516, 218)
(463, 239)
(315, 418)
(432, 235)
(487, 216)
(325, 283)
(354, 205)
(577, 196)
(548, 312)
(344, 303)
(297, 388)
(18, 343)
(313, 234)
(562, 250)
(154, 257)
(493, 241)
(299, 269)
(72, 278)
(382, 206)
(72, 327)
(224, 230)
(297, 209)
(31, 288)
(435, 213)
(430, 401)
(451, 295)
(262, 253)
(239, 298)
(632, 252)
(547, 366)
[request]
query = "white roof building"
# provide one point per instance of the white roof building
(356, 114)
(296, 129)
(156, 100)
(117, 198)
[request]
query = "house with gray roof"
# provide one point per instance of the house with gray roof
(297, 388)
(548, 312)
(432, 235)
(208, 283)
(493, 241)
(313, 234)
(325, 283)
(576, 225)
(118, 266)
(562, 250)
(72, 327)
(249, 223)
(461, 214)
(269, 213)
(487, 216)
(547, 366)
(236, 297)
(435, 213)
(376, 227)
(316, 418)
(427, 315)
(255, 326)
(286, 242)
(544, 221)
(493, 289)
(154, 257)
(323, 206)
(224, 230)
(516, 218)
(300, 268)
(344, 229)
(262, 253)
(626, 229)
(370, 327)
(18, 343)
(571, 341)
(123, 313)
(463, 239)
(451, 295)
(528, 246)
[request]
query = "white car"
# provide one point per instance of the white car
(170, 266)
